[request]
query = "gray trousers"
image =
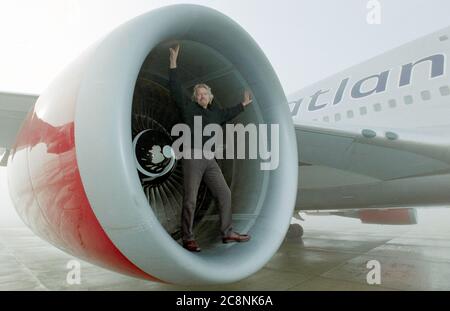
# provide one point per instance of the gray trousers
(194, 171)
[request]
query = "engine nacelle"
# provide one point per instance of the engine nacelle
(73, 174)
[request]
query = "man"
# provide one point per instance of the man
(195, 170)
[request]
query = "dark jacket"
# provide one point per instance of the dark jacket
(189, 109)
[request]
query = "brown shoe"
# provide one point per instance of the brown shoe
(236, 237)
(191, 246)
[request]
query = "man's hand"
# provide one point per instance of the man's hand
(247, 98)
(174, 56)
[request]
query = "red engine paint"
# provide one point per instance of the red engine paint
(48, 193)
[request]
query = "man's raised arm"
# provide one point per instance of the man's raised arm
(230, 113)
(174, 81)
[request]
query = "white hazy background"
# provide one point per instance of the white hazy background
(305, 40)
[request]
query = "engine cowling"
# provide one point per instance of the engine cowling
(73, 174)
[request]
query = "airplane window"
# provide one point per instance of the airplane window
(326, 119)
(443, 38)
(392, 103)
(362, 110)
(337, 117)
(426, 95)
(408, 99)
(377, 107)
(445, 90)
(350, 114)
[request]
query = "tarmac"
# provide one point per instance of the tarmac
(335, 253)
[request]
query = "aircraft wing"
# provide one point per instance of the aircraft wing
(354, 166)
(13, 110)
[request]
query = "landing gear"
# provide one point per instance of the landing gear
(295, 231)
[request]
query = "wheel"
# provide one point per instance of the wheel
(295, 231)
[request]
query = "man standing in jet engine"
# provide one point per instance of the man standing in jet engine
(197, 169)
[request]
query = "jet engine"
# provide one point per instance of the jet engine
(89, 173)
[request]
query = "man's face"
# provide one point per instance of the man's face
(202, 96)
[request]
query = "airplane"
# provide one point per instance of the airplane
(369, 142)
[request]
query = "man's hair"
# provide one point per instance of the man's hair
(202, 85)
